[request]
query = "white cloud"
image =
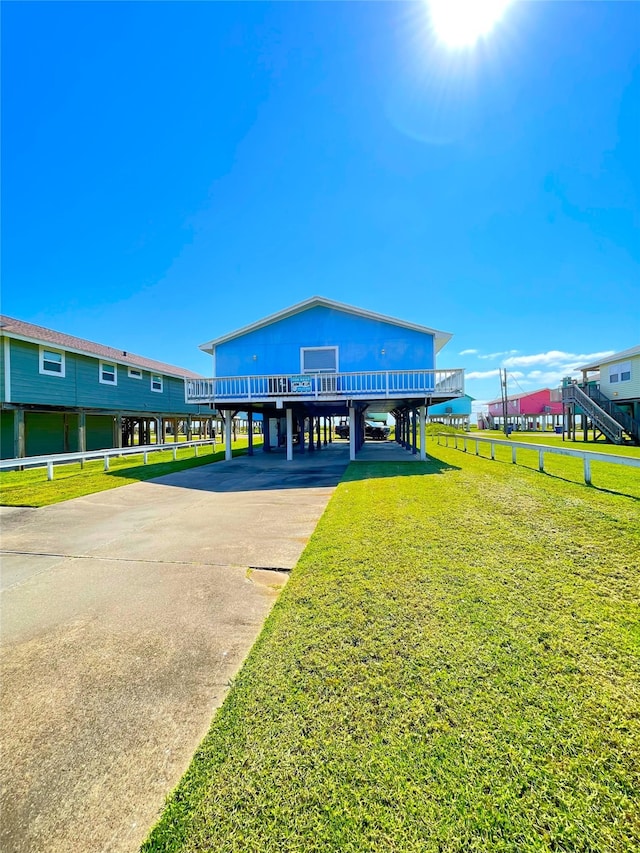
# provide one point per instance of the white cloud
(548, 378)
(482, 374)
(499, 354)
(489, 374)
(555, 357)
(468, 352)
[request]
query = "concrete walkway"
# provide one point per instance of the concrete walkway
(385, 451)
(124, 615)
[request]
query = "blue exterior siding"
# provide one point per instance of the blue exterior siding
(360, 342)
(81, 387)
(455, 406)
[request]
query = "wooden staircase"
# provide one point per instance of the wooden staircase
(617, 426)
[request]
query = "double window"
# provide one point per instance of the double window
(620, 372)
(52, 362)
(108, 373)
(156, 383)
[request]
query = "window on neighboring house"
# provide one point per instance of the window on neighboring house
(52, 362)
(620, 372)
(108, 373)
(134, 373)
(319, 360)
(156, 382)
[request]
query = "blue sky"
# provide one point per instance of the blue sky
(173, 171)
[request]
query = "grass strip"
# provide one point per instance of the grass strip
(453, 667)
(31, 487)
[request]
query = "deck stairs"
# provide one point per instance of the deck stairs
(615, 424)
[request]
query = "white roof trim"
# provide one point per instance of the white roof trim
(617, 356)
(123, 362)
(441, 338)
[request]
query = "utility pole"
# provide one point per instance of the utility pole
(503, 395)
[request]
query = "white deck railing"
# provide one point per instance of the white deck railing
(105, 454)
(587, 456)
(327, 386)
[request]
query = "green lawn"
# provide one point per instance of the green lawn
(453, 666)
(554, 440)
(31, 487)
(609, 477)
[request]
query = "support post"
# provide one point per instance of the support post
(228, 416)
(319, 433)
(266, 442)
(541, 460)
(513, 454)
(301, 433)
(311, 439)
(352, 433)
(423, 433)
(118, 431)
(106, 462)
(189, 428)
(250, 432)
(49, 470)
(18, 433)
(159, 430)
(289, 435)
(414, 432)
(82, 435)
(587, 471)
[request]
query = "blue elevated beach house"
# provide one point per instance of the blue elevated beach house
(321, 359)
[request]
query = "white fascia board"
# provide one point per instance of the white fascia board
(617, 356)
(112, 360)
(441, 338)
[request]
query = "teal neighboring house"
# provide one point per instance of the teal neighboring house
(455, 412)
(61, 394)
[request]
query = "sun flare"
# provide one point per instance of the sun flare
(461, 23)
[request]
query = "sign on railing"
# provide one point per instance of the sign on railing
(300, 384)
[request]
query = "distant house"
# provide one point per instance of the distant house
(60, 394)
(319, 359)
(455, 412)
(607, 401)
(528, 410)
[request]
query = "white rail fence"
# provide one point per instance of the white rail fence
(380, 384)
(587, 456)
(105, 454)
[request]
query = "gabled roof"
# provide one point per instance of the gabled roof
(441, 338)
(617, 356)
(41, 335)
(520, 396)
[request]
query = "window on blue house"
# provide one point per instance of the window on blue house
(108, 373)
(156, 383)
(319, 359)
(52, 361)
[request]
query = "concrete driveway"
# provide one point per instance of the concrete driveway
(124, 615)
